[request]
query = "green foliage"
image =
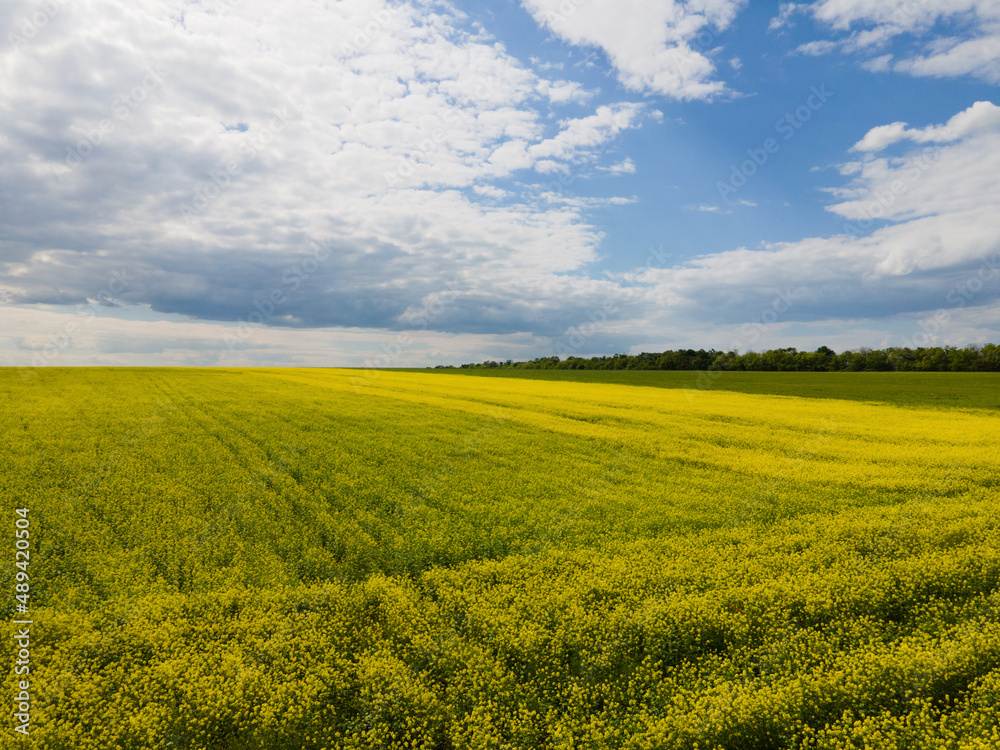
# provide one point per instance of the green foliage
(894, 359)
(966, 390)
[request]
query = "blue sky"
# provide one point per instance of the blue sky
(358, 182)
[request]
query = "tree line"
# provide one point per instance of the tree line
(972, 358)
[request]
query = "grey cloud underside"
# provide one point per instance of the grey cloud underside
(915, 293)
(347, 289)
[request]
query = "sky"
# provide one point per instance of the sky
(413, 183)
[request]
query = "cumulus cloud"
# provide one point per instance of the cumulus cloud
(233, 184)
(786, 12)
(623, 167)
(341, 157)
(971, 47)
(586, 132)
(980, 117)
(657, 46)
(880, 64)
(880, 137)
(901, 14)
(491, 191)
(816, 49)
(919, 235)
(954, 56)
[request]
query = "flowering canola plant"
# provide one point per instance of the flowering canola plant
(331, 559)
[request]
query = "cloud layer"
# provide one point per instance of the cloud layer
(919, 234)
(955, 37)
(210, 150)
(240, 183)
(981, 117)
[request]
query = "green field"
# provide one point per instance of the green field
(243, 559)
(971, 390)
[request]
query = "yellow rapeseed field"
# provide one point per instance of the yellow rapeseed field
(243, 559)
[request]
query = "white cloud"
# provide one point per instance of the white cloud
(973, 52)
(879, 137)
(980, 117)
(902, 14)
(785, 14)
(561, 92)
(880, 64)
(950, 57)
(389, 114)
(652, 43)
(586, 132)
(816, 49)
(624, 167)
(919, 235)
(584, 202)
(548, 166)
(542, 65)
(491, 191)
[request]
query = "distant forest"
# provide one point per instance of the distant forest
(973, 358)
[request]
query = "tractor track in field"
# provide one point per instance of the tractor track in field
(237, 442)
